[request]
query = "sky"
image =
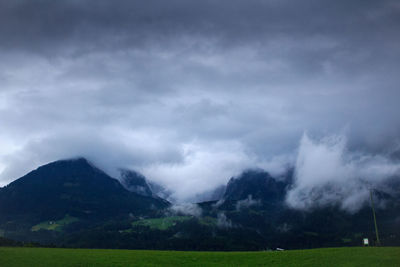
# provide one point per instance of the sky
(191, 93)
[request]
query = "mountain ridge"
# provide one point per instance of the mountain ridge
(73, 203)
(73, 186)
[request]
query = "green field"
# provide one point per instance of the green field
(161, 223)
(54, 225)
(385, 256)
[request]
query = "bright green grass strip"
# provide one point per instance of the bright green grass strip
(208, 221)
(161, 223)
(54, 225)
(385, 256)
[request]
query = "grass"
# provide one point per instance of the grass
(206, 220)
(356, 256)
(54, 225)
(161, 223)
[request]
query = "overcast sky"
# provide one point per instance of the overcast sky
(191, 93)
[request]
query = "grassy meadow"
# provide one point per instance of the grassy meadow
(161, 223)
(54, 225)
(356, 256)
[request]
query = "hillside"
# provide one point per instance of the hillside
(69, 189)
(72, 203)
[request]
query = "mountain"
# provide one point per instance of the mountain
(72, 203)
(135, 182)
(254, 205)
(70, 187)
(255, 183)
(160, 191)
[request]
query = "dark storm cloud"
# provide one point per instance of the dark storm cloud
(48, 25)
(192, 92)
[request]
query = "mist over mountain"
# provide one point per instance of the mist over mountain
(73, 203)
(258, 184)
(326, 172)
(245, 122)
(191, 93)
(212, 195)
(135, 182)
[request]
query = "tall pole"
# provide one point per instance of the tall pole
(378, 242)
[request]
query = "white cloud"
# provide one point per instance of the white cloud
(223, 221)
(190, 97)
(327, 173)
(204, 167)
(248, 202)
(186, 209)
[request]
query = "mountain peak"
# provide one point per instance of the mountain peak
(68, 162)
(73, 186)
(256, 183)
(66, 168)
(135, 182)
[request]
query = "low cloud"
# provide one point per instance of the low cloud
(190, 93)
(327, 173)
(204, 167)
(223, 221)
(248, 202)
(186, 209)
